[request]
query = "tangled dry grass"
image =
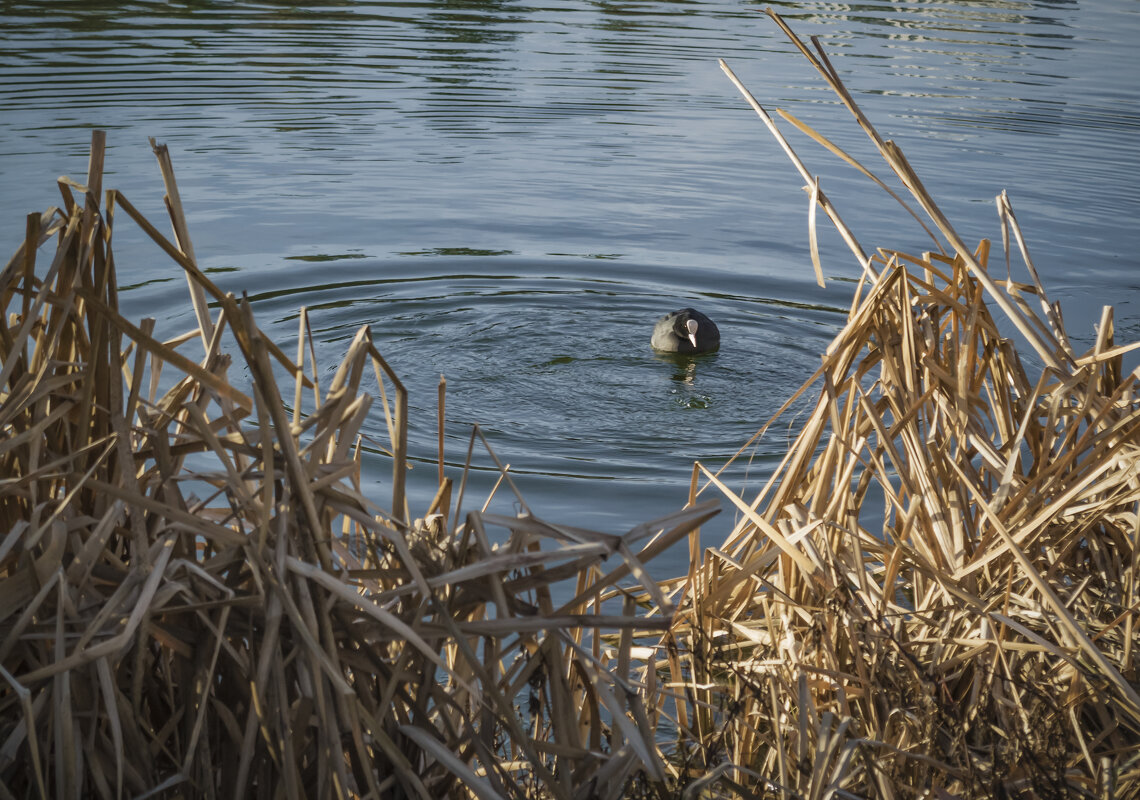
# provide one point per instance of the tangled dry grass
(198, 600)
(934, 595)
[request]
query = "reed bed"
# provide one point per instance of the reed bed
(934, 595)
(196, 599)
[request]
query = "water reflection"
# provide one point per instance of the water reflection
(469, 67)
(688, 392)
(685, 370)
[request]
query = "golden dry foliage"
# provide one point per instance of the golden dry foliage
(936, 593)
(197, 601)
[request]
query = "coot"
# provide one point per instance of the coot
(685, 331)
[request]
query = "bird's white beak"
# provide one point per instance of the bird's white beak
(692, 326)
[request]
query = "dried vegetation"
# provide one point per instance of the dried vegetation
(934, 595)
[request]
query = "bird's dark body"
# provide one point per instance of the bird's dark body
(671, 334)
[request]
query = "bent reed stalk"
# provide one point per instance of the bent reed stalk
(933, 596)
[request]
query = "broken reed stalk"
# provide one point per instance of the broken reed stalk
(936, 592)
(196, 599)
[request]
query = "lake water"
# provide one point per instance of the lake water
(511, 193)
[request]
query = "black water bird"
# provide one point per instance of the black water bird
(686, 331)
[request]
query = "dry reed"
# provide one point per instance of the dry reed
(196, 600)
(934, 595)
